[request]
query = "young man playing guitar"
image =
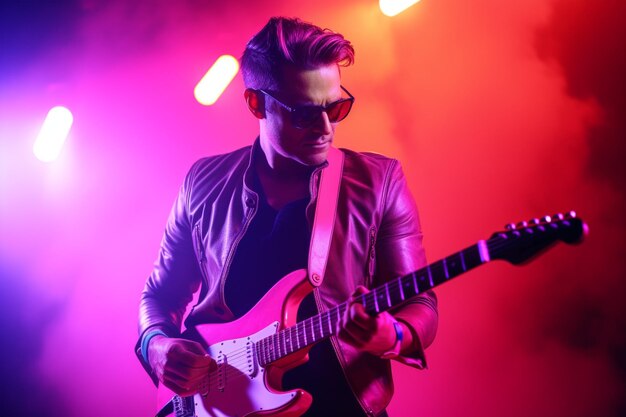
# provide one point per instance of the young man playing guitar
(244, 220)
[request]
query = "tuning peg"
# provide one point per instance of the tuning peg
(546, 219)
(571, 214)
(510, 226)
(522, 225)
(558, 217)
(534, 221)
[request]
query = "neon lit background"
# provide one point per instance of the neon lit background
(499, 111)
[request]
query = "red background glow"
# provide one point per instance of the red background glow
(499, 112)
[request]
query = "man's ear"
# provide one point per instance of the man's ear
(256, 103)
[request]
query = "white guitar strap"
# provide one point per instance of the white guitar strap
(325, 213)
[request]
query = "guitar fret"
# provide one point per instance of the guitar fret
(445, 268)
(290, 338)
(376, 302)
(388, 297)
(301, 334)
(430, 277)
(269, 350)
(278, 351)
(295, 337)
(283, 344)
(400, 289)
(321, 324)
(462, 260)
(438, 273)
(330, 324)
(276, 347)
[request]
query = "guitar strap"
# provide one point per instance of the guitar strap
(325, 213)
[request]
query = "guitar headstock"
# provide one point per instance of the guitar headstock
(524, 240)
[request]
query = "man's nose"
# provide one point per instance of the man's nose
(322, 124)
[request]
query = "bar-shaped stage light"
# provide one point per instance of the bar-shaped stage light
(394, 7)
(215, 81)
(53, 133)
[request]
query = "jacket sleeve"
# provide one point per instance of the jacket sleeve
(399, 251)
(174, 278)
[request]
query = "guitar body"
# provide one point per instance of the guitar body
(240, 386)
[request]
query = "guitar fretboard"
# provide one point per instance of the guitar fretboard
(378, 300)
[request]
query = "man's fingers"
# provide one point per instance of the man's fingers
(357, 317)
(184, 377)
(190, 355)
(192, 347)
(179, 388)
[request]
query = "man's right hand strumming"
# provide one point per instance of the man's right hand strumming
(181, 365)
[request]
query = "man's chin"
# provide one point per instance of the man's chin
(314, 159)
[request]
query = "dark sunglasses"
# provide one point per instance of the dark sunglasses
(305, 116)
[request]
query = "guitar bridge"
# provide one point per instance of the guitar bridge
(183, 406)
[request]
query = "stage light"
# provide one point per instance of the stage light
(394, 7)
(215, 81)
(53, 133)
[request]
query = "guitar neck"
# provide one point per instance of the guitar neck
(378, 300)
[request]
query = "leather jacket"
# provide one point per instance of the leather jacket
(377, 237)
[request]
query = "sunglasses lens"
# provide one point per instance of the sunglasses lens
(339, 110)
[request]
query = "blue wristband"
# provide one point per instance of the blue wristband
(146, 341)
(394, 352)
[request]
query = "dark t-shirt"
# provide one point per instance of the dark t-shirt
(275, 244)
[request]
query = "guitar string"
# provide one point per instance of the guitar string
(316, 326)
(282, 342)
(316, 323)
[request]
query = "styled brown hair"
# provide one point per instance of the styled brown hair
(291, 41)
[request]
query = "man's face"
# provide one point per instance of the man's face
(280, 139)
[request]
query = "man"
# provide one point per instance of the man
(243, 220)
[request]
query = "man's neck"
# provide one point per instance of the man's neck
(283, 180)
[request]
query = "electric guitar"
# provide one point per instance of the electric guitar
(253, 352)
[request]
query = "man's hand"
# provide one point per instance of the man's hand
(375, 335)
(181, 365)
